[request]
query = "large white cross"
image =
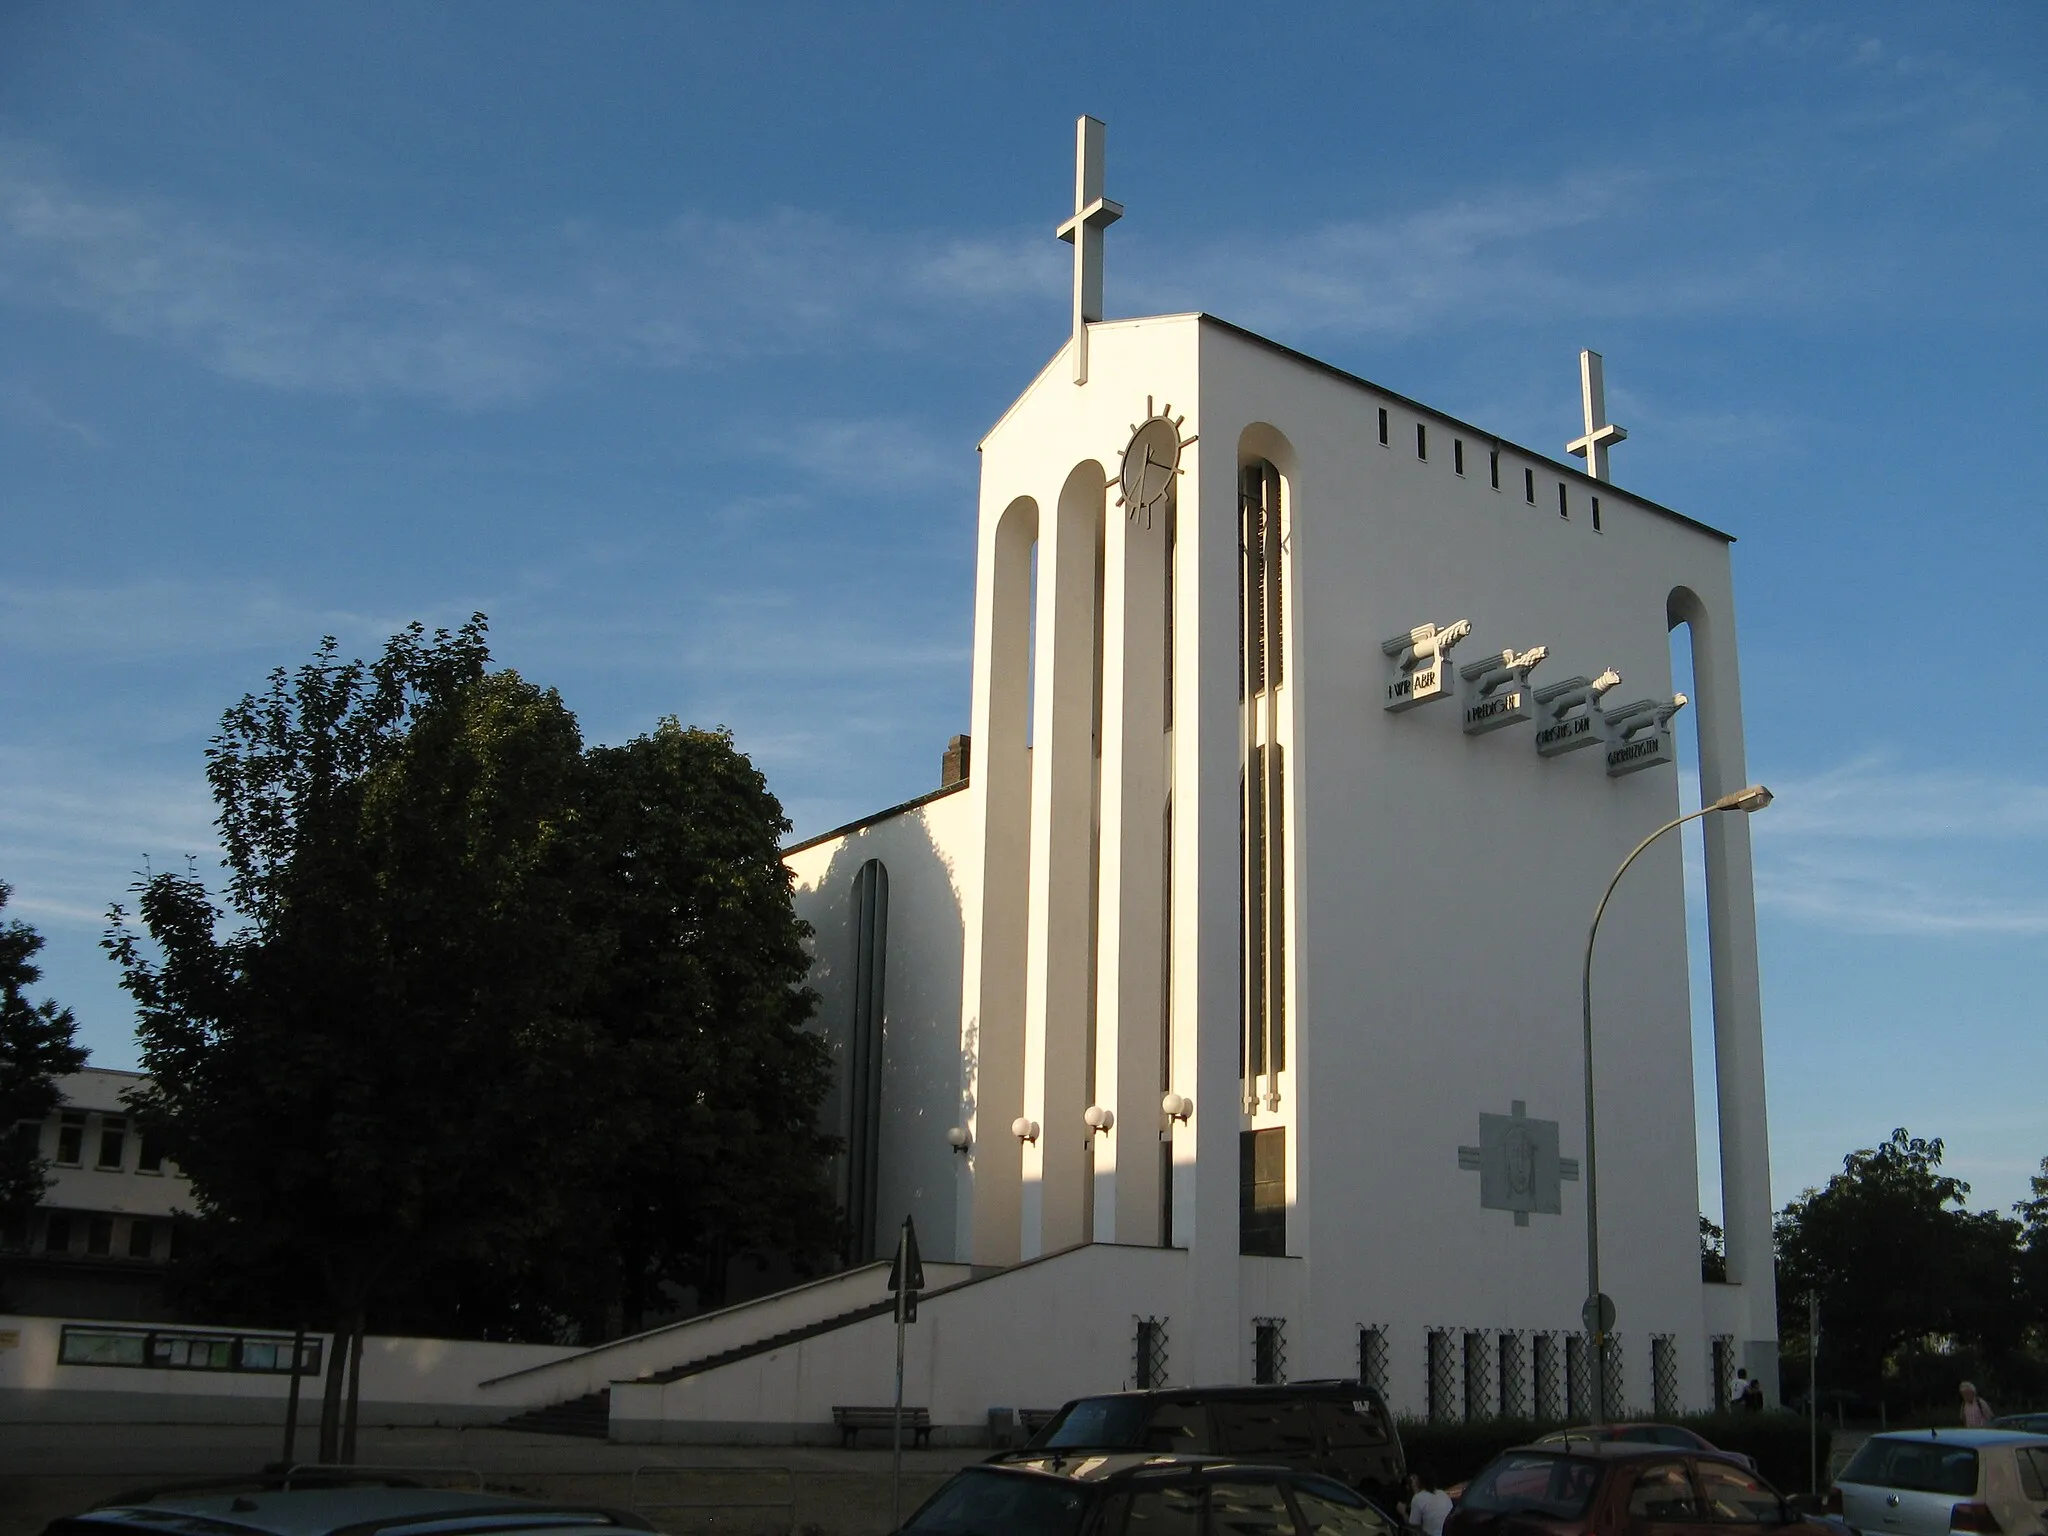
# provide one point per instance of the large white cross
(1601, 434)
(1093, 213)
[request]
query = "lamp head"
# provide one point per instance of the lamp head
(1024, 1129)
(957, 1138)
(1177, 1106)
(1098, 1118)
(1752, 799)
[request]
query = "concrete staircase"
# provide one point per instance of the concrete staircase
(589, 1416)
(572, 1395)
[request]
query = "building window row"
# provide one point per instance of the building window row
(107, 1138)
(84, 1234)
(1493, 468)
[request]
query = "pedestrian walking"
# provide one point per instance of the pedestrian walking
(1977, 1410)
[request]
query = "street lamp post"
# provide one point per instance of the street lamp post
(1599, 1312)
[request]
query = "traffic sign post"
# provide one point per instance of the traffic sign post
(1598, 1316)
(906, 1279)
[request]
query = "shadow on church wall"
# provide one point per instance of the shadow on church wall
(923, 1074)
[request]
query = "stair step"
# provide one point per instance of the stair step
(589, 1416)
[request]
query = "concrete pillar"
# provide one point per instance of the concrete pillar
(1738, 1005)
(1131, 900)
(992, 960)
(1206, 728)
(1059, 945)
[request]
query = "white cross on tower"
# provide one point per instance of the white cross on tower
(1601, 434)
(1093, 213)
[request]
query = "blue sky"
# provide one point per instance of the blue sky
(663, 334)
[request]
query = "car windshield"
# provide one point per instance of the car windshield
(1097, 1423)
(986, 1501)
(1916, 1466)
(1529, 1482)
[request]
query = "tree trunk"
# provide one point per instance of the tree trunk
(330, 1395)
(355, 1387)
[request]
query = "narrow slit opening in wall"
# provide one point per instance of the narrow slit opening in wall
(1384, 429)
(1493, 466)
(1421, 441)
(1031, 654)
(1564, 507)
(1596, 514)
(1457, 455)
(1529, 486)
(1698, 961)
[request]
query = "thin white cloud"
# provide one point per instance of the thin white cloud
(155, 618)
(1870, 848)
(287, 308)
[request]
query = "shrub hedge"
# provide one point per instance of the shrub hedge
(1452, 1453)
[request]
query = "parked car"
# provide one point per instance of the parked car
(1620, 1488)
(1643, 1434)
(1928, 1482)
(2030, 1423)
(271, 1509)
(1131, 1494)
(1341, 1429)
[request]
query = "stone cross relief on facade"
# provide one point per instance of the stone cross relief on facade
(1518, 1166)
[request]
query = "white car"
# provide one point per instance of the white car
(1929, 1482)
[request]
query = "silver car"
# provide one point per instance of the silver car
(1929, 1482)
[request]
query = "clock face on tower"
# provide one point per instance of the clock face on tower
(1151, 463)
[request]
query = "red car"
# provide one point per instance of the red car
(1620, 1488)
(1641, 1434)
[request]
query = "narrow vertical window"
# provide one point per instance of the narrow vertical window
(1384, 439)
(1439, 1380)
(1148, 1369)
(1372, 1358)
(141, 1239)
(1479, 1378)
(1529, 486)
(113, 1141)
(1564, 508)
(1458, 455)
(1596, 514)
(1493, 466)
(1421, 441)
(1269, 1351)
(1549, 1377)
(1262, 909)
(1664, 1375)
(864, 1058)
(71, 1138)
(1262, 1192)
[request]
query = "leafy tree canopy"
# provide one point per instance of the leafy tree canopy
(1896, 1259)
(487, 1025)
(35, 1050)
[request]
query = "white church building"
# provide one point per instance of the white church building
(1220, 1019)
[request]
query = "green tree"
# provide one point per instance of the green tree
(36, 1048)
(359, 1058)
(700, 1002)
(477, 1003)
(1713, 1250)
(2033, 1262)
(1897, 1260)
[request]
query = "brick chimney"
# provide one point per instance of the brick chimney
(954, 765)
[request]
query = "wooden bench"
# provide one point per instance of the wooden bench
(851, 1421)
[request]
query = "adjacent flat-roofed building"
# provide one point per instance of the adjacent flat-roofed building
(97, 1244)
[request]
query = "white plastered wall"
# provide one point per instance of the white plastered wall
(932, 878)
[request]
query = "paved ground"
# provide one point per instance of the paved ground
(51, 1470)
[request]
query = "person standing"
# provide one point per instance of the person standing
(1977, 1411)
(1753, 1396)
(1429, 1507)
